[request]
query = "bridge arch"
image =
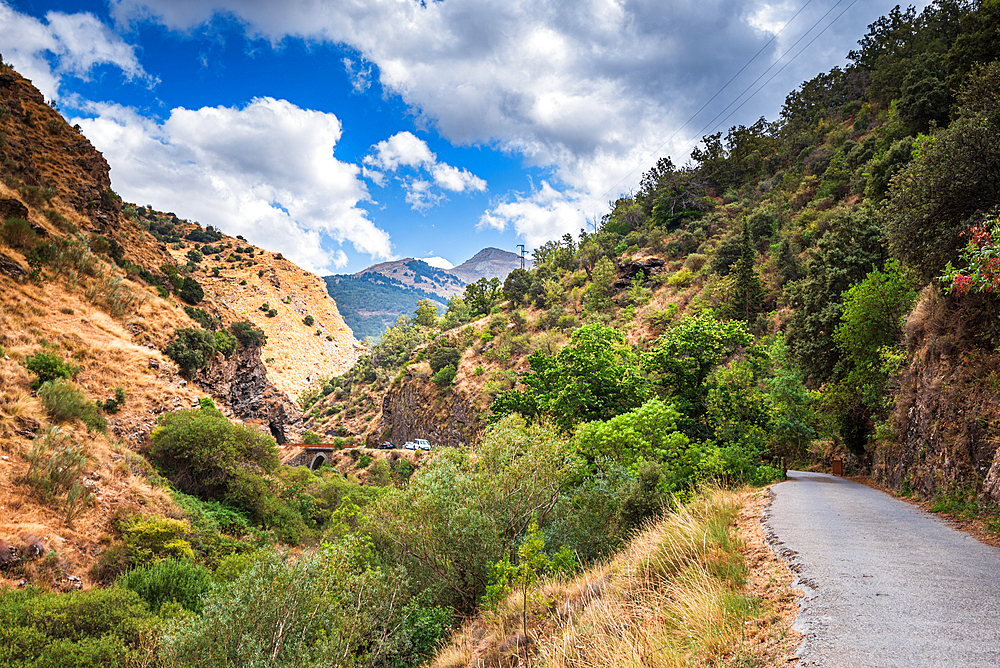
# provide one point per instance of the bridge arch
(318, 461)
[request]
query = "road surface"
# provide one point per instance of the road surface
(886, 584)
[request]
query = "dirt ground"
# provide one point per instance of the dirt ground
(769, 579)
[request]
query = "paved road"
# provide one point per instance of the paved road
(886, 584)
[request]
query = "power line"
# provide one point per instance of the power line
(764, 85)
(776, 35)
(711, 124)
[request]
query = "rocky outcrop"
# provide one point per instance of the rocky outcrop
(242, 381)
(417, 408)
(628, 270)
(11, 267)
(947, 414)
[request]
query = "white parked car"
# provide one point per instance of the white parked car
(422, 444)
(409, 445)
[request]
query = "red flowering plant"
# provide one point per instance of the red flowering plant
(982, 260)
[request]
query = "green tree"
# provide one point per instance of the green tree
(426, 314)
(516, 286)
(192, 349)
(595, 377)
(874, 312)
(852, 247)
(205, 454)
(599, 290)
(461, 512)
(683, 357)
(647, 433)
(482, 295)
(191, 291)
(952, 178)
(748, 294)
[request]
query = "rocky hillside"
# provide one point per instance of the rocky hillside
(96, 285)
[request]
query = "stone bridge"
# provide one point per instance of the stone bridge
(313, 456)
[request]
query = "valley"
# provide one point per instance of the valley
(602, 424)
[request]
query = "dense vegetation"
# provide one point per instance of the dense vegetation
(789, 255)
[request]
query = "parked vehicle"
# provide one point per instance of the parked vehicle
(410, 445)
(388, 445)
(422, 444)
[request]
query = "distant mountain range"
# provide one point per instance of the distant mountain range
(372, 299)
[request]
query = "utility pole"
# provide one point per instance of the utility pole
(523, 252)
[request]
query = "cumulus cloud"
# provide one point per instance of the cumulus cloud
(592, 91)
(543, 215)
(405, 150)
(64, 44)
(265, 171)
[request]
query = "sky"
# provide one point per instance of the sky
(345, 133)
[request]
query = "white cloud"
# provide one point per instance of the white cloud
(266, 171)
(406, 150)
(438, 262)
(543, 215)
(592, 90)
(64, 44)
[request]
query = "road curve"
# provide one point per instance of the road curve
(886, 584)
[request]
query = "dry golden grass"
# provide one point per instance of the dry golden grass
(687, 591)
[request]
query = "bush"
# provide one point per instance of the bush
(444, 356)
(169, 581)
(96, 628)
(191, 291)
(65, 403)
(225, 342)
(152, 538)
(18, 233)
(192, 350)
(199, 316)
(311, 438)
(205, 454)
(48, 366)
(247, 334)
(445, 376)
(308, 320)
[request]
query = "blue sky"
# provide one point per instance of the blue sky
(347, 133)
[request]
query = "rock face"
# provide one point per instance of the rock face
(947, 415)
(242, 380)
(35, 133)
(11, 267)
(629, 270)
(416, 408)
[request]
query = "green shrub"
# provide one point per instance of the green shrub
(191, 291)
(363, 461)
(48, 366)
(199, 315)
(97, 628)
(225, 342)
(152, 538)
(64, 403)
(311, 438)
(308, 320)
(18, 233)
(192, 349)
(168, 581)
(207, 455)
(247, 334)
(445, 376)
(444, 356)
